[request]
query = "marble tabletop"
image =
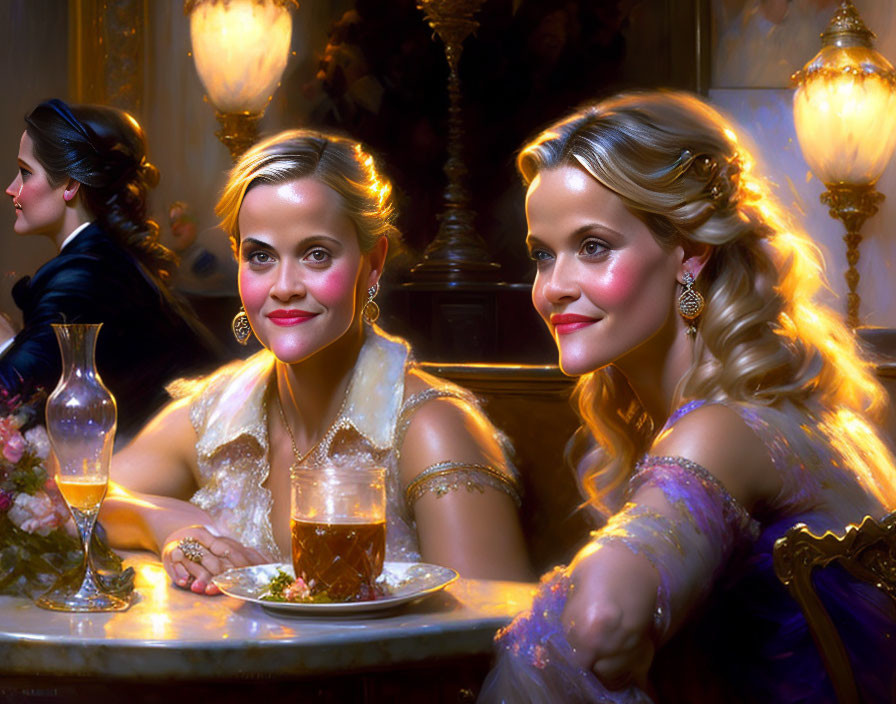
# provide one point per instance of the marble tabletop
(169, 633)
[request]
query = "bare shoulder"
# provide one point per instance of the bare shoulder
(465, 511)
(445, 428)
(161, 459)
(417, 381)
(716, 437)
(173, 423)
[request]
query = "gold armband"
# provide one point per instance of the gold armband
(449, 476)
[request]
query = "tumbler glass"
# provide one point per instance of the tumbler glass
(338, 525)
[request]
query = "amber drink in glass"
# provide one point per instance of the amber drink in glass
(81, 422)
(338, 526)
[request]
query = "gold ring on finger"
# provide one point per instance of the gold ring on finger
(192, 549)
(225, 552)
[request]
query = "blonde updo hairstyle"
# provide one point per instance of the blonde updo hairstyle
(335, 161)
(762, 337)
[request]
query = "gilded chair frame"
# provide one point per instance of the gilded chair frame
(867, 552)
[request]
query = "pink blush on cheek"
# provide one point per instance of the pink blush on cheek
(335, 286)
(615, 286)
(253, 290)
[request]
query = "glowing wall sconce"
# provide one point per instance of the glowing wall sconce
(240, 48)
(844, 109)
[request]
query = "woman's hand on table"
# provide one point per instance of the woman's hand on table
(210, 554)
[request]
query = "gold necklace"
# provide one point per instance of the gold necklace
(292, 439)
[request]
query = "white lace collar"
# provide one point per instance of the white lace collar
(373, 399)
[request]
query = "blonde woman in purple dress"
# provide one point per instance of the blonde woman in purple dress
(721, 404)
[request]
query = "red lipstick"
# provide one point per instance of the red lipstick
(286, 318)
(570, 322)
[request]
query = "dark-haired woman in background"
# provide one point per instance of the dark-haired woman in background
(82, 181)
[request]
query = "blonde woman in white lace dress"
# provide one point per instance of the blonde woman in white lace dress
(309, 217)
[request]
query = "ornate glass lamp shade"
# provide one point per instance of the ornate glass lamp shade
(240, 48)
(845, 103)
(844, 110)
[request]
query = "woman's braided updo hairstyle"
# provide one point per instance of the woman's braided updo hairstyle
(103, 149)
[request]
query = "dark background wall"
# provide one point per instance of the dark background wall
(369, 68)
(373, 68)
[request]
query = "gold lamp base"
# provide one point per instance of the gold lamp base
(852, 205)
(239, 131)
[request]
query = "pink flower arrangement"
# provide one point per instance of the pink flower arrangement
(36, 550)
(11, 440)
(37, 513)
(28, 497)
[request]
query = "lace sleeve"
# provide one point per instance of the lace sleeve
(687, 530)
(535, 663)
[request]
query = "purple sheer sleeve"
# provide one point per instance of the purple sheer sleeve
(687, 531)
(681, 519)
(535, 662)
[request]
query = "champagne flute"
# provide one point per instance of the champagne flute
(81, 422)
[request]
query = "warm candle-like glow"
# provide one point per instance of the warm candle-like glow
(240, 48)
(844, 115)
(843, 110)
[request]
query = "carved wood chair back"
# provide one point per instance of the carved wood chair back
(867, 552)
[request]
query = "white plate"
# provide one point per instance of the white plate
(407, 581)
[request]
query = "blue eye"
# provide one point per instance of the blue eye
(539, 255)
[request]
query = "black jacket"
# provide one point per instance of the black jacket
(148, 337)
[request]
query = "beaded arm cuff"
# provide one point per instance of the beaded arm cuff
(449, 476)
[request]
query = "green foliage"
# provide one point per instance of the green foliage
(30, 563)
(277, 586)
(28, 475)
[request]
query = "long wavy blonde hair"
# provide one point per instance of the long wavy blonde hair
(763, 337)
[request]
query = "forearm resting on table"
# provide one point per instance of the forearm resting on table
(143, 521)
(610, 609)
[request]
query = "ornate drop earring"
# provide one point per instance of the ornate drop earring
(241, 328)
(690, 304)
(371, 310)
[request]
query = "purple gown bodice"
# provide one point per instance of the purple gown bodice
(727, 629)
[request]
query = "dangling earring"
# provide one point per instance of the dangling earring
(371, 310)
(690, 303)
(241, 328)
